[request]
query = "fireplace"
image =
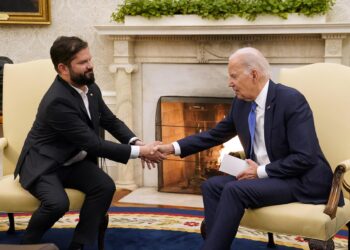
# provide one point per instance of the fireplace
(177, 117)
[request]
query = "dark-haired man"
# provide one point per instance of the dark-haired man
(62, 147)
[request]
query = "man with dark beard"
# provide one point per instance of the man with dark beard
(62, 147)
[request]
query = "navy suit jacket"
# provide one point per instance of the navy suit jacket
(290, 138)
(62, 128)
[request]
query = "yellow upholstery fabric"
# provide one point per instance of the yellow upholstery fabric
(16, 199)
(297, 219)
(326, 86)
(23, 87)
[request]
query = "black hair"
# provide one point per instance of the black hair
(64, 49)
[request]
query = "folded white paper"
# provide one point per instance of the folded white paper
(232, 165)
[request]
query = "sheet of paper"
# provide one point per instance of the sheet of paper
(232, 165)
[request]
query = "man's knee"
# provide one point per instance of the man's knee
(212, 184)
(57, 206)
(108, 186)
(235, 191)
(206, 186)
(210, 187)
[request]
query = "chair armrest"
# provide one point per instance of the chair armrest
(333, 200)
(3, 143)
(346, 185)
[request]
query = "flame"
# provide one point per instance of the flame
(232, 145)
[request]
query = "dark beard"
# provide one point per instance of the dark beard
(87, 78)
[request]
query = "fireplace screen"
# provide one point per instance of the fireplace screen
(176, 118)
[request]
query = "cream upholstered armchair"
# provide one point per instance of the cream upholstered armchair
(327, 89)
(23, 87)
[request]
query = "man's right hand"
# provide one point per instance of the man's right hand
(150, 153)
(165, 149)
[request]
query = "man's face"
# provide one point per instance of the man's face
(241, 80)
(81, 69)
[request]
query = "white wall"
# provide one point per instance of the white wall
(78, 17)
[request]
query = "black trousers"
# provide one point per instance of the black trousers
(85, 176)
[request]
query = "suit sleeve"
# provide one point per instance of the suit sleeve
(299, 151)
(221, 133)
(65, 118)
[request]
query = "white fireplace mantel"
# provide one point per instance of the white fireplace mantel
(327, 28)
(144, 52)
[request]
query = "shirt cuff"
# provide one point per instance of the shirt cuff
(132, 140)
(177, 149)
(261, 171)
(135, 152)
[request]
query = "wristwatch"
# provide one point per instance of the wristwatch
(134, 142)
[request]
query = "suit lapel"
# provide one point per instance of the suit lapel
(240, 119)
(83, 108)
(93, 108)
(78, 99)
(269, 113)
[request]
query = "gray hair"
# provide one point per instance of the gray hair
(252, 58)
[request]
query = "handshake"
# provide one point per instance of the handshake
(154, 152)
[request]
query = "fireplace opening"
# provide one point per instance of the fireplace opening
(177, 117)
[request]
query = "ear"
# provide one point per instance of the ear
(255, 74)
(62, 69)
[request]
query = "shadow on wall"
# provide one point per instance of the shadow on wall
(3, 61)
(1, 135)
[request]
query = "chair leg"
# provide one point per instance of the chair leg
(321, 245)
(102, 231)
(348, 225)
(203, 230)
(11, 229)
(271, 242)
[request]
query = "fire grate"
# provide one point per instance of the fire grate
(176, 118)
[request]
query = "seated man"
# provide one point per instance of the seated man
(276, 128)
(62, 147)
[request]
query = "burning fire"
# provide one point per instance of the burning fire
(232, 145)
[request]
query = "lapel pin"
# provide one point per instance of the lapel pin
(268, 107)
(91, 94)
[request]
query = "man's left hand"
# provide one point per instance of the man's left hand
(250, 173)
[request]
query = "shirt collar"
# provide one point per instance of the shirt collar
(77, 89)
(81, 92)
(261, 99)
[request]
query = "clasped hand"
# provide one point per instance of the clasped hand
(149, 154)
(153, 153)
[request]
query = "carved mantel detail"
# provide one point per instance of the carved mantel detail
(122, 68)
(333, 47)
(128, 68)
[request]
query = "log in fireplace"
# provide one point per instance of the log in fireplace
(177, 117)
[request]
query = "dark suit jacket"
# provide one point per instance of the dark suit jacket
(290, 138)
(62, 128)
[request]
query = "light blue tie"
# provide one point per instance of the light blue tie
(251, 123)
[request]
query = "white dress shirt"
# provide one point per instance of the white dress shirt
(135, 150)
(260, 152)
